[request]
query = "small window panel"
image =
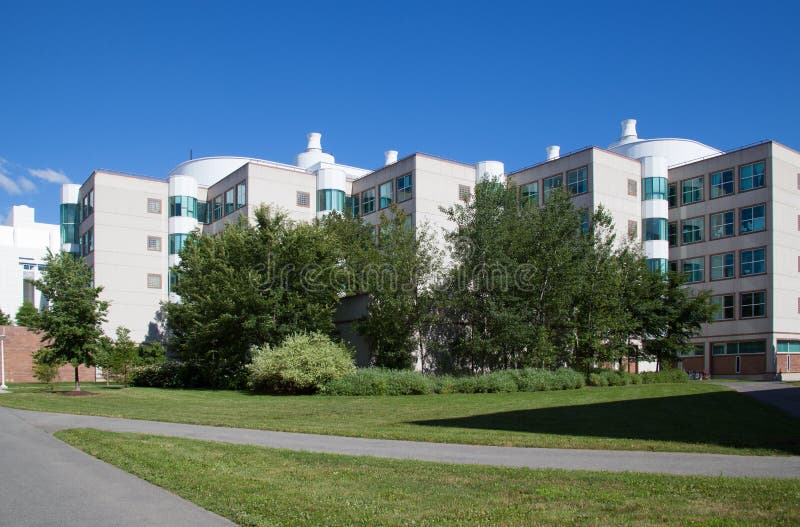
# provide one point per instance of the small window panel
(464, 192)
(303, 199)
(154, 281)
(154, 206)
(153, 243)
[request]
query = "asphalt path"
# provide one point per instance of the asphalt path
(784, 396)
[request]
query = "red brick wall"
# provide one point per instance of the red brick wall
(20, 345)
(693, 363)
(793, 366)
(754, 364)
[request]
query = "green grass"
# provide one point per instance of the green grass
(260, 486)
(691, 417)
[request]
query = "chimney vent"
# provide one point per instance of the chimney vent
(629, 129)
(553, 152)
(314, 141)
(390, 157)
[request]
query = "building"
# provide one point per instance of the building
(730, 220)
(23, 246)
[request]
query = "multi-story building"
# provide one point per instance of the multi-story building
(731, 221)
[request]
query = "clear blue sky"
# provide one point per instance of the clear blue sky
(134, 87)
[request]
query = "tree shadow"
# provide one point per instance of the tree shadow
(719, 418)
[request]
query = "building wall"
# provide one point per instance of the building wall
(20, 345)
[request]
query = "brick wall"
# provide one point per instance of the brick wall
(754, 364)
(20, 345)
(793, 366)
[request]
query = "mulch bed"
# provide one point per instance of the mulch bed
(80, 393)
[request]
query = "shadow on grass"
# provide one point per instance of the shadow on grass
(724, 419)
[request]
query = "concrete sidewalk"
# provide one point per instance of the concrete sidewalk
(784, 396)
(606, 460)
(44, 482)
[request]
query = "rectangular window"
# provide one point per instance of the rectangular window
(154, 281)
(241, 195)
(721, 183)
(303, 199)
(632, 229)
(752, 261)
(751, 176)
(692, 190)
(584, 221)
(692, 230)
(577, 181)
(217, 208)
(154, 206)
(632, 187)
(753, 304)
(368, 201)
(673, 266)
(464, 192)
(655, 229)
(552, 183)
(722, 224)
(404, 188)
(354, 204)
(654, 188)
(725, 309)
(230, 204)
(722, 266)
(789, 346)
(529, 194)
(751, 219)
(694, 270)
(153, 243)
(672, 233)
(672, 195)
(385, 196)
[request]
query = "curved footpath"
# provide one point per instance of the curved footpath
(572, 459)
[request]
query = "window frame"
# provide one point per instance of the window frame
(364, 202)
(156, 239)
(303, 199)
(673, 200)
(546, 191)
(688, 274)
(381, 187)
(577, 171)
(711, 278)
(752, 262)
(721, 311)
(406, 191)
(742, 304)
(711, 225)
(240, 195)
(741, 209)
(160, 281)
(700, 188)
(152, 201)
(764, 176)
(525, 196)
(671, 224)
(702, 228)
(711, 185)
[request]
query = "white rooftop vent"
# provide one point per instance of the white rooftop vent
(553, 152)
(629, 129)
(390, 157)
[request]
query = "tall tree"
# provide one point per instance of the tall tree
(27, 315)
(71, 323)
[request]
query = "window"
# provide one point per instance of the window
(154, 205)
(751, 219)
(303, 199)
(721, 183)
(584, 221)
(354, 205)
(404, 188)
(217, 208)
(722, 225)
(552, 183)
(529, 194)
(657, 265)
(368, 201)
(789, 346)
(153, 243)
(183, 206)
(87, 204)
(722, 266)
(673, 266)
(654, 188)
(751, 176)
(692, 230)
(385, 196)
(736, 348)
(464, 192)
(694, 350)
(752, 261)
(655, 229)
(154, 281)
(694, 269)
(577, 181)
(672, 195)
(726, 309)
(631, 187)
(87, 242)
(632, 229)
(330, 199)
(692, 190)
(672, 233)
(241, 195)
(230, 203)
(753, 304)
(176, 242)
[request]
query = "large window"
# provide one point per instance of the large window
(385, 196)
(657, 265)
(552, 183)
(354, 202)
(204, 212)
(217, 208)
(753, 304)
(529, 194)
(176, 242)
(330, 199)
(751, 219)
(241, 195)
(577, 181)
(694, 270)
(722, 224)
(230, 203)
(672, 233)
(725, 310)
(738, 348)
(368, 201)
(404, 188)
(692, 190)
(752, 261)
(721, 183)
(692, 230)
(87, 204)
(672, 195)
(655, 229)
(654, 188)
(183, 206)
(722, 266)
(751, 176)
(789, 346)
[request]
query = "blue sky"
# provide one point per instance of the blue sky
(132, 87)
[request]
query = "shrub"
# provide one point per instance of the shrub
(303, 363)
(380, 381)
(567, 379)
(45, 372)
(665, 376)
(169, 374)
(595, 379)
(495, 382)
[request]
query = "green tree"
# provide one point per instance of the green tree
(5, 320)
(71, 322)
(124, 355)
(152, 352)
(27, 315)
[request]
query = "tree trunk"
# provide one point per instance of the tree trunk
(77, 381)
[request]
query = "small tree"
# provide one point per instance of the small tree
(71, 323)
(45, 372)
(124, 356)
(5, 320)
(27, 316)
(151, 353)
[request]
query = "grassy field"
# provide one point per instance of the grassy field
(691, 417)
(260, 486)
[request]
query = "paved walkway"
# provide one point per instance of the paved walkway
(44, 482)
(784, 396)
(607, 460)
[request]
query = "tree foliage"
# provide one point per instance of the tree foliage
(118, 357)
(5, 320)
(27, 315)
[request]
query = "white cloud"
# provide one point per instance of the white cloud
(26, 184)
(8, 184)
(48, 174)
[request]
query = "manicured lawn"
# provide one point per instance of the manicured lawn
(693, 417)
(262, 486)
